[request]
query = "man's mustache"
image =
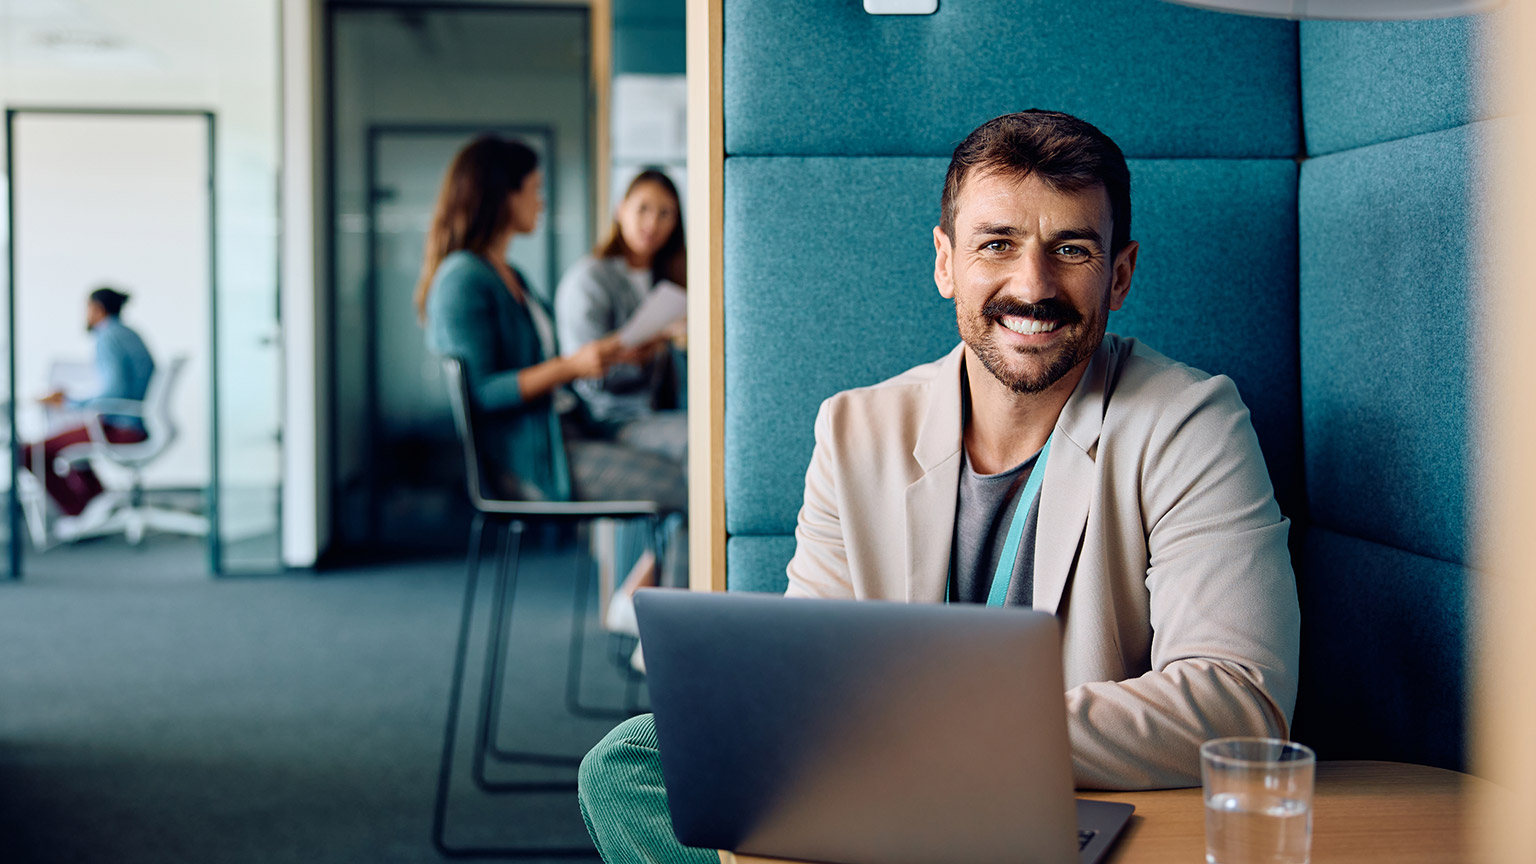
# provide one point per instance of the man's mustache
(1045, 310)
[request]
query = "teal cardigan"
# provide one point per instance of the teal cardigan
(471, 315)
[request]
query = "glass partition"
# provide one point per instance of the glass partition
(410, 87)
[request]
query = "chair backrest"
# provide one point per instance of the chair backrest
(159, 422)
(463, 419)
(160, 427)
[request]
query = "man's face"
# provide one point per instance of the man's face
(1030, 274)
(94, 314)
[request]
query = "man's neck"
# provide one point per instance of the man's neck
(1007, 427)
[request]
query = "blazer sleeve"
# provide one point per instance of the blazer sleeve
(820, 565)
(1222, 599)
(463, 315)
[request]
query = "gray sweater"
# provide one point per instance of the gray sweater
(595, 297)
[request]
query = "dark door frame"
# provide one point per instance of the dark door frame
(13, 499)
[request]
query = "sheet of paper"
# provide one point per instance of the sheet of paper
(664, 306)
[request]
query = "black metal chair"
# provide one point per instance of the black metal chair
(510, 518)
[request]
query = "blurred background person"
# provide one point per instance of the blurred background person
(123, 369)
(633, 403)
(478, 308)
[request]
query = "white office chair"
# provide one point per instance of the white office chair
(128, 515)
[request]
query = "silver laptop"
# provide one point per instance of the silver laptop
(866, 732)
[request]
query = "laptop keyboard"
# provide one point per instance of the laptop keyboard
(1084, 838)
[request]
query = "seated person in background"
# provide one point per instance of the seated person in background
(478, 308)
(124, 368)
(629, 403)
(599, 294)
(1155, 537)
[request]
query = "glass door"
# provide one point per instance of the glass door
(414, 441)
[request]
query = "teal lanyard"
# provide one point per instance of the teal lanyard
(1005, 562)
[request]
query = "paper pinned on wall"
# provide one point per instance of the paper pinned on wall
(650, 118)
(666, 305)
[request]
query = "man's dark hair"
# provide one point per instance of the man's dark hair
(1067, 153)
(110, 299)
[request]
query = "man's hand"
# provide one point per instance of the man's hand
(54, 399)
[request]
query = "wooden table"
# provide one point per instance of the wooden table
(1363, 813)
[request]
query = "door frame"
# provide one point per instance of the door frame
(13, 498)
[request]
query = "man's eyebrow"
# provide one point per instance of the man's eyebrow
(1085, 234)
(1003, 229)
(996, 229)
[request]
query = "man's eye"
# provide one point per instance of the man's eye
(1072, 251)
(998, 246)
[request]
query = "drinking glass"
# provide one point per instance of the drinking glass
(1258, 800)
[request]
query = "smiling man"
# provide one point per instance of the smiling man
(1043, 463)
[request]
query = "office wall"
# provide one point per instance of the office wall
(649, 95)
(648, 37)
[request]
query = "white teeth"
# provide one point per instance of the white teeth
(1028, 325)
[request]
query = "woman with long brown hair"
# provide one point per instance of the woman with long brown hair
(478, 308)
(631, 402)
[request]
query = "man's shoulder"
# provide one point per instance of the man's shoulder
(1148, 367)
(119, 334)
(1147, 382)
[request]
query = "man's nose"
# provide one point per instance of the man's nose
(1032, 278)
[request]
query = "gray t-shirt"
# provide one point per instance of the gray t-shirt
(982, 516)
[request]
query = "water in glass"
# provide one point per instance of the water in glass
(1256, 829)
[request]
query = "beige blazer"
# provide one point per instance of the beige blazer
(1159, 547)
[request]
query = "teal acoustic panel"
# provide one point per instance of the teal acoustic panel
(757, 563)
(1365, 82)
(829, 285)
(1383, 653)
(822, 77)
(1388, 313)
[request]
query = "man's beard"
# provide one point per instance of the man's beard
(1084, 335)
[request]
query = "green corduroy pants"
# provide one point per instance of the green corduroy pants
(624, 801)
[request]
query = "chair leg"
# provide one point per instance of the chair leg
(450, 730)
(573, 704)
(493, 687)
(575, 658)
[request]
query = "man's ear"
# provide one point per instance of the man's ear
(1125, 265)
(943, 262)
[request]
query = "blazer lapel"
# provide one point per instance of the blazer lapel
(930, 500)
(1069, 483)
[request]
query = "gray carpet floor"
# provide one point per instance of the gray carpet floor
(151, 714)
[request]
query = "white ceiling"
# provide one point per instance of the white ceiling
(164, 37)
